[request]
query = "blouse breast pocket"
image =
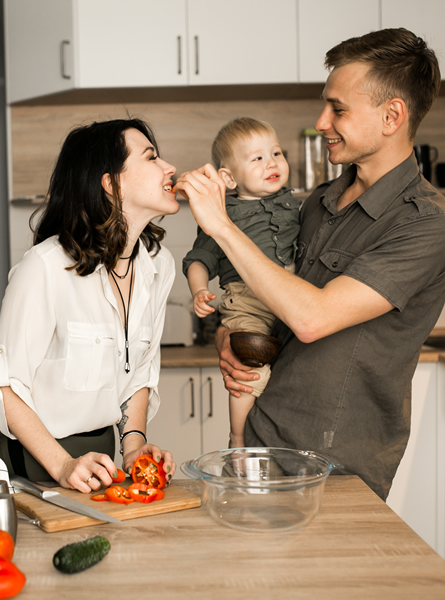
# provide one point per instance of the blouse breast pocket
(91, 361)
(143, 344)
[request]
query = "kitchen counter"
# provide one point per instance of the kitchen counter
(356, 547)
(206, 356)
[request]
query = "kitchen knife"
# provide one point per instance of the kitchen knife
(24, 485)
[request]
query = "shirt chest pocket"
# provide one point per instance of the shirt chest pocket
(91, 360)
(337, 262)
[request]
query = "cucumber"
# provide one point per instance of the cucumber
(79, 556)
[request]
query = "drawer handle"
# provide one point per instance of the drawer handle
(179, 55)
(196, 55)
(63, 47)
(192, 395)
(210, 382)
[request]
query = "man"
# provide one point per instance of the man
(370, 269)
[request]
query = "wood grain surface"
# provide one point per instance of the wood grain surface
(356, 548)
(53, 518)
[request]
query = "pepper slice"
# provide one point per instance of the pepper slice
(100, 498)
(116, 493)
(144, 493)
(146, 470)
(120, 476)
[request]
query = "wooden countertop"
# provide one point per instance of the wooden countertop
(356, 547)
(206, 356)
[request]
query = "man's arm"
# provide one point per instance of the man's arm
(310, 312)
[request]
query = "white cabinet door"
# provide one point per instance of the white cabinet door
(233, 42)
(323, 23)
(130, 43)
(424, 18)
(38, 36)
(414, 492)
(215, 411)
(177, 426)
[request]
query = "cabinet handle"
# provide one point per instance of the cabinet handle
(192, 395)
(63, 46)
(179, 55)
(210, 382)
(196, 55)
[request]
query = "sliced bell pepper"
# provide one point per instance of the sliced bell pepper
(144, 493)
(146, 470)
(100, 498)
(120, 476)
(116, 493)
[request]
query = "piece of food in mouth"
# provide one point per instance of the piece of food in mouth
(79, 556)
(149, 472)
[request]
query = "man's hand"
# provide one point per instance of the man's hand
(231, 368)
(205, 191)
(201, 304)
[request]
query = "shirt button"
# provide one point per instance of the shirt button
(335, 264)
(97, 341)
(331, 221)
(275, 237)
(287, 204)
(1, 350)
(120, 353)
(311, 262)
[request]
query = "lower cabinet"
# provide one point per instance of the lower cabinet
(417, 494)
(193, 417)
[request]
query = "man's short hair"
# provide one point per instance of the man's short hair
(400, 66)
(242, 128)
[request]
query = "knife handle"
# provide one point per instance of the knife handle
(25, 485)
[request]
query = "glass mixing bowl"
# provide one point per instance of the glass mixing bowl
(261, 489)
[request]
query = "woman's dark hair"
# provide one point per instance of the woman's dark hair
(90, 227)
(400, 65)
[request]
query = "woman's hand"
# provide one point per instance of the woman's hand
(87, 472)
(231, 368)
(157, 453)
(205, 191)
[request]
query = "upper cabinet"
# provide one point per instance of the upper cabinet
(425, 18)
(242, 41)
(58, 45)
(323, 23)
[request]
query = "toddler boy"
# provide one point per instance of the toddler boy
(249, 159)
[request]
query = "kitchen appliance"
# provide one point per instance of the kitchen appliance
(261, 489)
(51, 518)
(53, 497)
(178, 327)
(8, 511)
(426, 155)
(317, 166)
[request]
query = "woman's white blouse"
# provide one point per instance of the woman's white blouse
(62, 342)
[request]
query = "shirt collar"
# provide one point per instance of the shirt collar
(380, 195)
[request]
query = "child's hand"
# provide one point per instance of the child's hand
(201, 303)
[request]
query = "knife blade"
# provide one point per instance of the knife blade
(23, 484)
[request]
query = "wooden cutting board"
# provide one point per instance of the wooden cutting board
(53, 518)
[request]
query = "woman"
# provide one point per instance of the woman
(83, 313)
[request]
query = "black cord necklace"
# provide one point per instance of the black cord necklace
(128, 268)
(126, 312)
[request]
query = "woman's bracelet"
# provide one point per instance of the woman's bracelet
(124, 435)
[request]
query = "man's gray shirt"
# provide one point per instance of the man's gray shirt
(348, 395)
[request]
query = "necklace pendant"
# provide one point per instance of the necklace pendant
(127, 367)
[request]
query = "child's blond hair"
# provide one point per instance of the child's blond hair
(244, 127)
